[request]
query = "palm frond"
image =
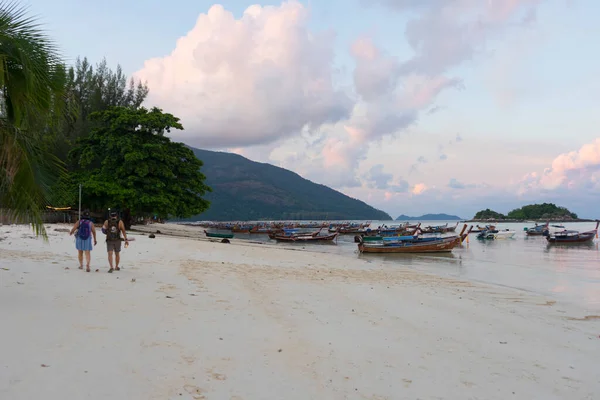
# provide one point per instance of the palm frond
(32, 90)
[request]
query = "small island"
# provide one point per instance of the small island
(429, 217)
(532, 212)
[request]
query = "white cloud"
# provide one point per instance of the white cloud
(253, 80)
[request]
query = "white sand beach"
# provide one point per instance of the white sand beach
(194, 319)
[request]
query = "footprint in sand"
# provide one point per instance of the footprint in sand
(216, 375)
(196, 392)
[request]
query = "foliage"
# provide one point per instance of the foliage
(489, 214)
(90, 89)
(248, 190)
(126, 162)
(32, 79)
(541, 211)
(544, 211)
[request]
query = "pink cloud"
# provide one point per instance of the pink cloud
(421, 90)
(571, 170)
(252, 80)
(419, 188)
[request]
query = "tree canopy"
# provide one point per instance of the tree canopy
(126, 162)
(541, 211)
(489, 214)
(547, 211)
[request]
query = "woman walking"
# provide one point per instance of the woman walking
(83, 242)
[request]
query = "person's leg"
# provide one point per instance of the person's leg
(80, 257)
(110, 261)
(117, 249)
(109, 248)
(88, 256)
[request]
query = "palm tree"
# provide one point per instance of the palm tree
(32, 84)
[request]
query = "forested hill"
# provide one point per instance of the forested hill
(246, 190)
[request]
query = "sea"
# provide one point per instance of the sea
(568, 273)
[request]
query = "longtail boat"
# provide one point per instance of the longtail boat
(306, 238)
(464, 235)
(414, 243)
(440, 245)
(240, 229)
(391, 235)
(440, 228)
(537, 230)
(570, 236)
(218, 235)
(349, 228)
(286, 232)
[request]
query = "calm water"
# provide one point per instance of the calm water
(566, 272)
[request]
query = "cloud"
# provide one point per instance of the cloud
(264, 84)
(455, 184)
(388, 103)
(448, 32)
(376, 74)
(377, 178)
(575, 170)
(419, 188)
(404, 5)
(247, 81)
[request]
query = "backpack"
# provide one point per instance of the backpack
(84, 229)
(113, 233)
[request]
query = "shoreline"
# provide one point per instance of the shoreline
(189, 318)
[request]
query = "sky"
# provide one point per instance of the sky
(413, 106)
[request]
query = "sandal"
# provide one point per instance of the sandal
(87, 269)
(117, 269)
(81, 267)
(110, 271)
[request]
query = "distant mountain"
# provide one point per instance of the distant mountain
(429, 217)
(244, 190)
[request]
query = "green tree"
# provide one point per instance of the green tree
(91, 89)
(32, 82)
(127, 162)
(542, 211)
(488, 214)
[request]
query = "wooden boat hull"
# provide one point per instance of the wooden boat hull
(571, 236)
(534, 233)
(440, 246)
(219, 235)
(580, 238)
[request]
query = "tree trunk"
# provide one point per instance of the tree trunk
(127, 220)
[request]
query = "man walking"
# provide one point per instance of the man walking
(113, 227)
